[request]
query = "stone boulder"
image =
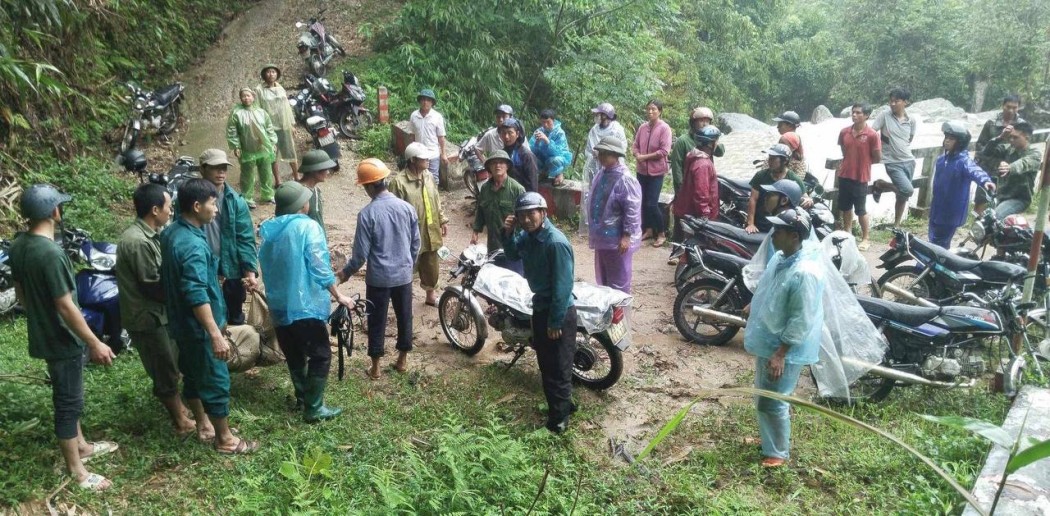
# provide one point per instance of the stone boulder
(820, 114)
(729, 122)
(937, 110)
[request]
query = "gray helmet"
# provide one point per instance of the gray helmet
(40, 200)
(787, 188)
(958, 131)
(505, 109)
(780, 150)
(708, 134)
(795, 219)
(612, 143)
(789, 117)
(530, 201)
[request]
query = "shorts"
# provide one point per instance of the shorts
(900, 175)
(853, 196)
(67, 394)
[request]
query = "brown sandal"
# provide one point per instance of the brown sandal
(244, 447)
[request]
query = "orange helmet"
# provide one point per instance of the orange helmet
(371, 170)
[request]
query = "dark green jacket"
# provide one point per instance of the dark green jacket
(493, 207)
(548, 261)
(1020, 182)
(237, 251)
(189, 275)
(989, 148)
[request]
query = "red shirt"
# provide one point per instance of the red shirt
(856, 153)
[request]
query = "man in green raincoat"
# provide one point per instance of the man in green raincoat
(251, 136)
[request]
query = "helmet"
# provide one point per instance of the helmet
(789, 117)
(418, 150)
(496, 156)
(427, 93)
(371, 170)
(958, 131)
(709, 134)
(133, 160)
(794, 219)
(530, 201)
(40, 200)
(702, 112)
(779, 150)
(787, 188)
(612, 143)
(606, 109)
(262, 73)
(512, 123)
(505, 109)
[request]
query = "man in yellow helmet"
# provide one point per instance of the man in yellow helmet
(387, 238)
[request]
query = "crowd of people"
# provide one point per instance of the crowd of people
(184, 278)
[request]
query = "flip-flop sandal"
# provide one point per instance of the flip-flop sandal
(100, 448)
(401, 370)
(94, 482)
(659, 242)
(772, 462)
(864, 246)
(244, 447)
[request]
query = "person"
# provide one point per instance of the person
(1017, 170)
(897, 130)
(298, 270)
(605, 124)
(784, 324)
(780, 196)
(428, 126)
(551, 147)
(253, 139)
(231, 236)
(523, 162)
(274, 100)
(490, 141)
(549, 262)
(698, 195)
(316, 168)
(776, 169)
(189, 275)
(495, 203)
(953, 173)
(420, 191)
(142, 310)
(58, 333)
(700, 117)
(652, 145)
(861, 147)
(992, 141)
(788, 122)
(616, 212)
(387, 238)
(796, 161)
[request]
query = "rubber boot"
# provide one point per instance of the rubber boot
(315, 409)
(299, 384)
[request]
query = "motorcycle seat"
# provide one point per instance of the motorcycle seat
(165, 95)
(730, 264)
(993, 272)
(898, 312)
(735, 233)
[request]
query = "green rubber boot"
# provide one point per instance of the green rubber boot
(315, 408)
(299, 384)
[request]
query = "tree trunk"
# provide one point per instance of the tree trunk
(980, 87)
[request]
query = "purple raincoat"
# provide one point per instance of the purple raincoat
(614, 206)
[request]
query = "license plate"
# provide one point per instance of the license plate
(326, 140)
(617, 332)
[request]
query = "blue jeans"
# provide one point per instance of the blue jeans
(435, 168)
(774, 416)
(1009, 207)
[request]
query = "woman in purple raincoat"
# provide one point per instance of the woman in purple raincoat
(615, 209)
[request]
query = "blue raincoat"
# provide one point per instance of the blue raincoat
(788, 307)
(951, 188)
(553, 157)
(296, 267)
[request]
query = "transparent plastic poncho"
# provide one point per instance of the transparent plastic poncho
(593, 303)
(847, 332)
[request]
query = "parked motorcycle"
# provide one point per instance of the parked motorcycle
(732, 238)
(159, 110)
(324, 137)
(733, 197)
(8, 299)
(602, 332)
(922, 273)
(97, 292)
(303, 104)
(475, 173)
(316, 46)
(345, 106)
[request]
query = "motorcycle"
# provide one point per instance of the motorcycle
(922, 273)
(158, 109)
(185, 167)
(316, 46)
(601, 335)
(97, 292)
(345, 106)
(324, 137)
(475, 174)
(8, 299)
(733, 197)
(303, 104)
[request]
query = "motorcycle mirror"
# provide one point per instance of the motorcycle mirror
(818, 190)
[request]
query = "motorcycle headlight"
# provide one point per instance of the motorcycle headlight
(140, 104)
(292, 102)
(977, 231)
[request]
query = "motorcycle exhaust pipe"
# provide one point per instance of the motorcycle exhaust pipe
(899, 292)
(903, 377)
(722, 317)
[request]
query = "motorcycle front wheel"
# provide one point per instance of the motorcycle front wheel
(461, 324)
(317, 66)
(703, 293)
(598, 363)
(470, 179)
(131, 135)
(904, 278)
(352, 125)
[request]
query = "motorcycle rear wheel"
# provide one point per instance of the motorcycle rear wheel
(171, 119)
(317, 66)
(470, 179)
(461, 324)
(1025, 369)
(904, 277)
(692, 326)
(352, 126)
(598, 363)
(869, 388)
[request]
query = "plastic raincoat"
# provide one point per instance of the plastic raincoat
(553, 157)
(422, 194)
(275, 102)
(296, 268)
(590, 167)
(951, 188)
(250, 130)
(846, 333)
(615, 207)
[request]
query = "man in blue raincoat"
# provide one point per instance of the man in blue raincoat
(954, 172)
(551, 147)
(298, 271)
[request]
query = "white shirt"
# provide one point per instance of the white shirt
(428, 128)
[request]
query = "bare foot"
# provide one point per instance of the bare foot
(205, 432)
(372, 373)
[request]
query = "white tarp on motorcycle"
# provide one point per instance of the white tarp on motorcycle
(848, 333)
(593, 303)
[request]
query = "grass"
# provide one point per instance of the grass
(468, 442)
